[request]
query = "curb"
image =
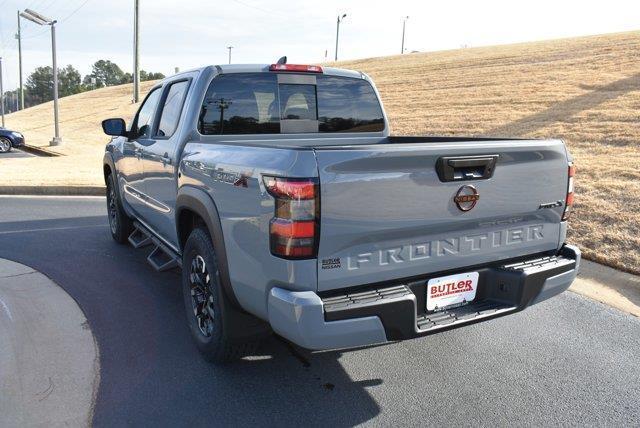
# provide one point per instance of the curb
(54, 190)
(49, 355)
(39, 151)
(620, 290)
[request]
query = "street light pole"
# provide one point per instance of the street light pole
(340, 18)
(21, 90)
(136, 51)
(56, 139)
(404, 23)
(229, 47)
(1, 94)
(42, 20)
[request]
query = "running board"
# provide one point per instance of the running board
(162, 257)
(161, 261)
(139, 238)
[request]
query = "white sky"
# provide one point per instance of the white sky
(192, 33)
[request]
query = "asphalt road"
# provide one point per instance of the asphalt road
(566, 361)
(16, 153)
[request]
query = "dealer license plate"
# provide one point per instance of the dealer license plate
(452, 290)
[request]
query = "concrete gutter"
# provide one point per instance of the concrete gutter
(54, 190)
(609, 286)
(49, 360)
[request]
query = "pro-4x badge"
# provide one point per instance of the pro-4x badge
(466, 198)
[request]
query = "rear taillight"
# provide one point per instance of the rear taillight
(299, 68)
(294, 229)
(568, 206)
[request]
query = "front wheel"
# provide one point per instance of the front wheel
(212, 320)
(120, 224)
(5, 145)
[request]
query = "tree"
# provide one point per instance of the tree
(146, 76)
(106, 73)
(69, 81)
(126, 78)
(153, 76)
(39, 85)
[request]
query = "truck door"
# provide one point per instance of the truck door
(131, 172)
(160, 162)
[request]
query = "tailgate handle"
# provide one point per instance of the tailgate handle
(462, 168)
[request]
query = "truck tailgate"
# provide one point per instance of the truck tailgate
(386, 214)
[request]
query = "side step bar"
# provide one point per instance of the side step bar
(139, 239)
(162, 257)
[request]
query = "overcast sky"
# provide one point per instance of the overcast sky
(191, 33)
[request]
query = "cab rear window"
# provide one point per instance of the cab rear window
(255, 103)
(348, 105)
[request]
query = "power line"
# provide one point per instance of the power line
(270, 12)
(74, 11)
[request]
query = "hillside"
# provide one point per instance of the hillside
(81, 132)
(585, 90)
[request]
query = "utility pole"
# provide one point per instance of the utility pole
(136, 51)
(56, 139)
(20, 90)
(229, 47)
(404, 23)
(36, 18)
(340, 18)
(1, 94)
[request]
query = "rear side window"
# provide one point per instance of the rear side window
(255, 103)
(241, 104)
(172, 108)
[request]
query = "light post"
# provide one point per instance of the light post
(42, 20)
(340, 18)
(19, 37)
(404, 24)
(136, 51)
(1, 94)
(229, 47)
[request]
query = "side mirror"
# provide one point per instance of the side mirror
(114, 127)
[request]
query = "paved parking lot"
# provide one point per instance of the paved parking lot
(568, 361)
(16, 154)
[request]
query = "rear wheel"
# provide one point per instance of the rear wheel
(213, 321)
(5, 145)
(120, 224)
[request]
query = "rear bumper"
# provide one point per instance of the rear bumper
(397, 311)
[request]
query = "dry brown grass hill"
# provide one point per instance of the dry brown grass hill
(585, 90)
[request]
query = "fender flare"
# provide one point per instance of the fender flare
(107, 160)
(197, 200)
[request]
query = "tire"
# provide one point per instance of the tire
(120, 225)
(220, 331)
(5, 145)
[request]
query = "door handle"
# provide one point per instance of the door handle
(166, 160)
(466, 167)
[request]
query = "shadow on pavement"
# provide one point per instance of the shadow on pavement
(151, 373)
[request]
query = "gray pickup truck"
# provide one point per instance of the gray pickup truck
(279, 192)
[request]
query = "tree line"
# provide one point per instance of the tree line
(38, 87)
